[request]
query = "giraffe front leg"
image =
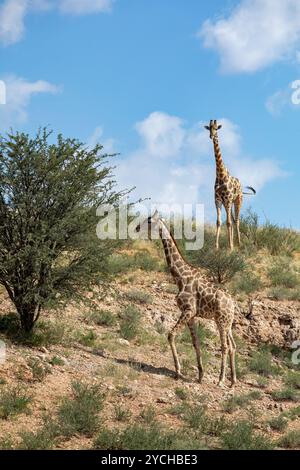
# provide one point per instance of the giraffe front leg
(171, 338)
(196, 345)
(219, 222)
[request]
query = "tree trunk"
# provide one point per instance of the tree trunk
(27, 316)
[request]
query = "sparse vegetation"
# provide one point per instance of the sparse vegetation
(282, 274)
(141, 437)
(261, 363)
(101, 318)
(13, 401)
(139, 296)
(79, 414)
(286, 394)
(291, 440)
(130, 322)
(38, 368)
(276, 240)
(292, 379)
(242, 436)
(247, 282)
(148, 414)
(240, 401)
(121, 413)
(221, 265)
(87, 339)
(280, 423)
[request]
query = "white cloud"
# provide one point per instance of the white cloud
(162, 134)
(185, 172)
(256, 34)
(13, 13)
(18, 95)
(83, 7)
(97, 137)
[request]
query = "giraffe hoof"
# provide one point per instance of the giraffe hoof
(233, 384)
(179, 376)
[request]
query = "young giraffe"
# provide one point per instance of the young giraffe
(228, 190)
(197, 297)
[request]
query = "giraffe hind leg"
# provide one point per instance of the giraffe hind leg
(229, 227)
(219, 222)
(237, 209)
(224, 347)
(232, 349)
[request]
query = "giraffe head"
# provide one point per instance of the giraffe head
(213, 128)
(150, 225)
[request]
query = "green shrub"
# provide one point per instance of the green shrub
(221, 265)
(195, 416)
(247, 282)
(293, 379)
(181, 393)
(240, 401)
(13, 401)
(293, 413)
(291, 440)
(121, 413)
(261, 363)
(282, 274)
(203, 334)
(243, 437)
(277, 240)
(101, 318)
(7, 443)
(280, 423)
(79, 414)
(87, 339)
(139, 296)
(145, 261)
(42, 439)
(286, 394)
(141, 437)
(148, 414)
(120, 263)
(38, 368)
(283, 293)
(130, 322)
(262, 382)
(57, 361)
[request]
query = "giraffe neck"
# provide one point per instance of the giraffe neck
(173, 256)
(220, 167)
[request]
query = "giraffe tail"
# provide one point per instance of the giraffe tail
(253, 192)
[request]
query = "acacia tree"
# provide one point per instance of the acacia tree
(49, 192)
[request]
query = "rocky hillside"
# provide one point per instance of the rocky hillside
(104, 378)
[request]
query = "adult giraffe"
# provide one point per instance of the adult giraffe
(228, 190)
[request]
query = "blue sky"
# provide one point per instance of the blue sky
(142, 77)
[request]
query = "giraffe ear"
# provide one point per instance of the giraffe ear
(220, 126)
(207, 127)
